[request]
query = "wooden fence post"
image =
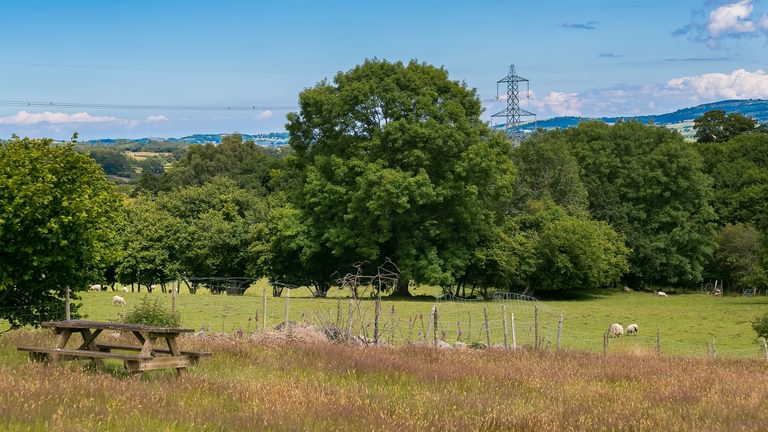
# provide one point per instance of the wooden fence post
(349, 317)
(559, 331)
(173, 297)
(487, 327)
(459, 332)
(504, 322)
(264, 311)
(392, 325)
(605, 343)
(435, 324)
(514, 333)
(287, 304)
(67, 312)
(658, 340)
(376, 312)
(714, 353)
(536, 342)
(765, 349)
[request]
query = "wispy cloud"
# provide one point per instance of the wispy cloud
(609, 55)
(156, 118)
(697, 59)
(589, 25)
(264, 115)
(26, 118)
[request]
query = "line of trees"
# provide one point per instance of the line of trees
(392, 160)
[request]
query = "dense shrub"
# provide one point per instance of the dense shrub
(152, 312)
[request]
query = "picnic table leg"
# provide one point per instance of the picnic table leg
(89, 343)
(61, 341)
(171, 340)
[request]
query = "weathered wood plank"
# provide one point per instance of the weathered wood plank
(107, 347)
(78, 324)
(83, 353)
(180, 362)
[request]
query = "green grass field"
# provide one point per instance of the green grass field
(686, 322)
(292, 384)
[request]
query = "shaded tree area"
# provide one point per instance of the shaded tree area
(649, 185)
(197, 230)
(57, 219)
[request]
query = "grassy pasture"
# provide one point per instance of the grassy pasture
(257, 386)
(686, 322)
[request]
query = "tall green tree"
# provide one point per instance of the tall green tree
(397, 163)
(649, 184)
(57, 215)
(715, 126)
(739, 168)
(738, 256)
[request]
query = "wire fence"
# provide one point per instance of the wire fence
(507, 321)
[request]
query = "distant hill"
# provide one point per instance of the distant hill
(681, 119)
(272, 139)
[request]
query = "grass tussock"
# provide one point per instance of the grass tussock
(277, 382)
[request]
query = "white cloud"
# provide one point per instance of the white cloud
(25, 118)
(739, 84)
(731, 18)
(156, 118)
(264, 115)
(555, 103)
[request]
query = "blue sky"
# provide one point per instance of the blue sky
(587, 58)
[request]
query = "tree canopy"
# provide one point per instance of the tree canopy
(649, 184)
(57, 216)
(397, 163)
(715, 126)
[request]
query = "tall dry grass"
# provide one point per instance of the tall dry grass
(263, 385)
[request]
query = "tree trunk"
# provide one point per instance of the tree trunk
(401, 290)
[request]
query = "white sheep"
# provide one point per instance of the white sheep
(125, 289)
(632, 329)
(95, 287)
(118, 301)
(661, 294)
(615, 330)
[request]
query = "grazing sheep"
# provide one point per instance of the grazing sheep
(627, 289)
(661, 294)
(125, 289)
(118, 301)
(632, 329)
(95, 287)
(615, 330)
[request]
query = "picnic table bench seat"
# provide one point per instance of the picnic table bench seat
(147, 356)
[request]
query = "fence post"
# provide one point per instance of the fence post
(264, 310)
(459, 332)
(376, 312)
(714, 353)
(559, 330)
(392, 324)
(435, 323)
(67, 312)
(173, 297)
(504, 322)
(536, 326)
(514, 333)
(349, 316)
(605, 343)
(287, 304)
(487, 326)
(765, 349)
(658, 341)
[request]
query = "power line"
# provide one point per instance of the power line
(18, 103)
(152, 69)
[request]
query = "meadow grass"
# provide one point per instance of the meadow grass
(248, 385)
(686, 322)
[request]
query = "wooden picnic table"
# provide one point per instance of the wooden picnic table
(147, 356)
